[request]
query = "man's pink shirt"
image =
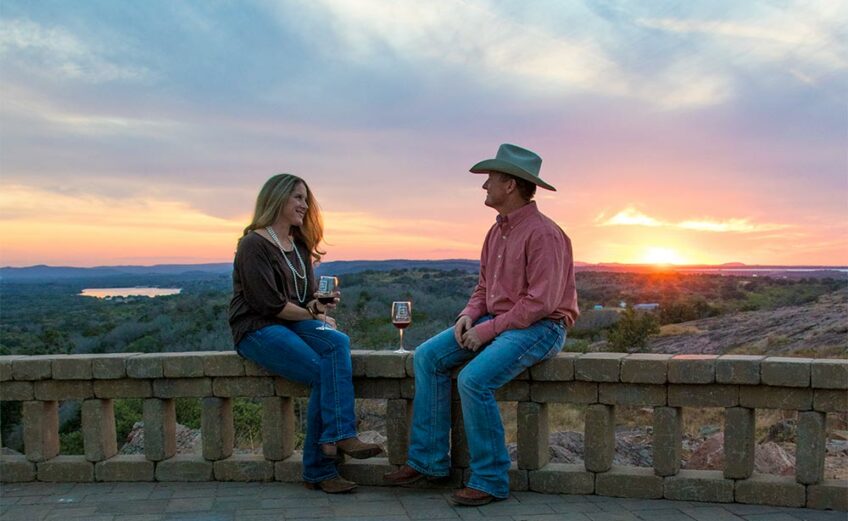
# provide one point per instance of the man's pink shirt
(526, 274)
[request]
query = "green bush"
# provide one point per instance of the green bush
(575, 345)
(71, 443)
(632, 331)
(127, 412)
(247, 416)
(188, 412)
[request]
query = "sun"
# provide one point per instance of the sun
(661, 256)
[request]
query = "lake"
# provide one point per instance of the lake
(129, 292)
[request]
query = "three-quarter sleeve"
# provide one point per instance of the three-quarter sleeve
(261, 289)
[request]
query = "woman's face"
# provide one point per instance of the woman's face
(294, 211)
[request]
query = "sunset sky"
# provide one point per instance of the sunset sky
(139, 132)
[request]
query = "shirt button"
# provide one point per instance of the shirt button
(499, 256)
(504, 237)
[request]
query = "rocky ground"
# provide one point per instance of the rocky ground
(816, 329)
(775, 452)
(633, 447)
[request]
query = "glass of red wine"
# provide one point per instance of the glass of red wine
(401, 319)
(326, 294)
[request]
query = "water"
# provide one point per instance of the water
(129, 292)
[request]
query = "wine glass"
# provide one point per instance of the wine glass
(401, 318)
(326, 294)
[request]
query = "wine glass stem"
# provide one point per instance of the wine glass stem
(325, 320)
(401, 338)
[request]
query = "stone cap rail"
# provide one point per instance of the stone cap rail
(740, 384)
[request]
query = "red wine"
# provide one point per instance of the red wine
(401, 325)
(326, 300)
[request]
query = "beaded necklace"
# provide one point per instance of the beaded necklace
(295, 275)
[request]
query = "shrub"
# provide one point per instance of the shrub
(633, 330)
(71, 443)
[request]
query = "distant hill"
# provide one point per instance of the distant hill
(46, 273)
(345, 267)
(41, 272)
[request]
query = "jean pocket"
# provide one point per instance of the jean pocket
(558, 343)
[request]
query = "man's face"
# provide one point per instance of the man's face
(496, 190)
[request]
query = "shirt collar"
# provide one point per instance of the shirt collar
(517, 216)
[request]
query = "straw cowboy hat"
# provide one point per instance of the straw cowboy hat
(516, 161)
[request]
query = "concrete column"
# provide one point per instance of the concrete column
(398, 420)
(810, 447)
(160, 429)
(739, 430)
(98, 429)
(533, 431)
(460, 457)
(667, 440)
(41, 429)
(599, 437)
(217, 428)
(277, 427)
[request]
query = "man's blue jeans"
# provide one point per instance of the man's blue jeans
(321, 359)
(494, 365)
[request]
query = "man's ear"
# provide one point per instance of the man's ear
(511, 185)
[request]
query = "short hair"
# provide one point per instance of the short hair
(526, 189)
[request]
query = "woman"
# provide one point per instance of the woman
(273, 317)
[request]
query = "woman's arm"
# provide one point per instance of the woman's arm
(294, 312)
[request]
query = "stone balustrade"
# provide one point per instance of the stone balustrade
(600, 381)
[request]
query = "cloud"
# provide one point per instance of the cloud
(492, 46)
(802, 33)
(56, 52)
(61, 116)
(21, 203)
(632, 217)
(729, 225)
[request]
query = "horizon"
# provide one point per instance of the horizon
(677, 134)
(577, 264)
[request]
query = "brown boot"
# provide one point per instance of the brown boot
(405, 475)
(357, 449)
(471, 497)
(336, 485)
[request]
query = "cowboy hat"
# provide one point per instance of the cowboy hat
(515, 161)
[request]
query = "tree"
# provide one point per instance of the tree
(632, 330)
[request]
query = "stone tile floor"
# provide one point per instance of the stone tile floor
(279, 501)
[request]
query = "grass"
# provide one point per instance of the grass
(679, 329)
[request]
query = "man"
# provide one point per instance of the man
(516, 317)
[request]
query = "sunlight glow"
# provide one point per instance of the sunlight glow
(662, 256)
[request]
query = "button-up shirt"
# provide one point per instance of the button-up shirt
(526, 275)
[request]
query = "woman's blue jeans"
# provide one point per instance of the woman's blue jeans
(321, 359)
(494, 365)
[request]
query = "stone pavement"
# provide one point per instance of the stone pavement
(212, 501)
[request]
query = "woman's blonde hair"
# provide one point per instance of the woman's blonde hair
(273, 197)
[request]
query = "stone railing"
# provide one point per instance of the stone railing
(600, 381)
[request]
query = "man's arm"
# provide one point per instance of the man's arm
(476, 306)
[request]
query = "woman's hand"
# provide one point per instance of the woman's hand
(323, 308)
(331, 322)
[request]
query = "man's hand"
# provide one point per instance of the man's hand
(462, 325)
(471, 341)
